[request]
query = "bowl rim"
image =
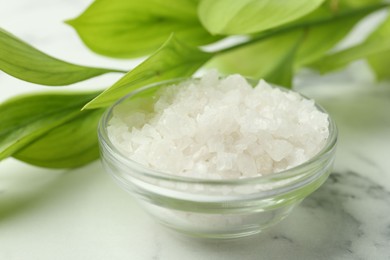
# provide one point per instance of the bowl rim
(107, 145)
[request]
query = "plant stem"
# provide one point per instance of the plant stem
(305, 25)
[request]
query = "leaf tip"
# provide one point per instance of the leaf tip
(95, 103)
(87, 106)
(71, 22)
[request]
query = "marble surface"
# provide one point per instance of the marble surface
(82, 214)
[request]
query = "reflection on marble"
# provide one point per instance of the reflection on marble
(344, 219)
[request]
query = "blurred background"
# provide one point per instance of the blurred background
(82, 214)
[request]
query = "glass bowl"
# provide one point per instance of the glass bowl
(219, 209)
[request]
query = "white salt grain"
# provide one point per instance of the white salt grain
(221, 128)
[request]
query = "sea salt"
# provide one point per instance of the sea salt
(221, 128)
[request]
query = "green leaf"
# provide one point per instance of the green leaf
(23, 61)
(358, 3)
(266, 55)
(173, 60)
(380, 64)
(250, 16)
(379, 61)
(69, 145)
(264, 59)
(282, 74)
(377, 42)
(25, 119)
(127, 29)
(320, 38)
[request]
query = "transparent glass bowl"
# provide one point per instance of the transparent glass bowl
(212, 208)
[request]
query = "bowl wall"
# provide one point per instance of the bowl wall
(213, 208)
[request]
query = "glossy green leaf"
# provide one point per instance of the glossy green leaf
(321, 37)
(380, 64)
(126, 29)
(377, 42)
(270, 57)
(282, 74)
(173, 60)
(69, 145)
(357, 3)
(327, 26)
(251, 16)
(25, 119)
(265, 59)
(23, 61)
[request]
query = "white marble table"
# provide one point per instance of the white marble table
(82, 214)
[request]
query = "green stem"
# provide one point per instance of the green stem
(292, 27)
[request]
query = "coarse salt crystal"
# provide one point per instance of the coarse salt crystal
(220, 129)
